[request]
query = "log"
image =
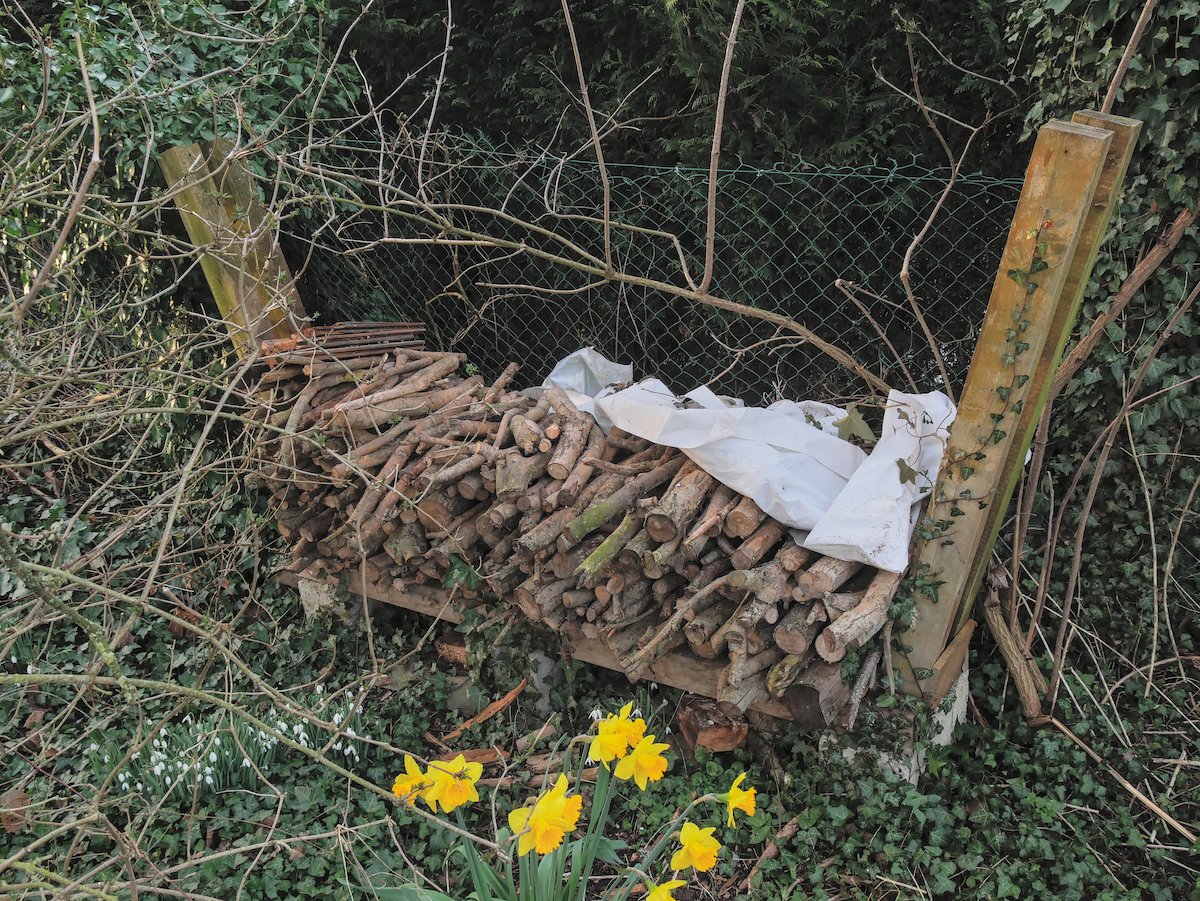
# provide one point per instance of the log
(743, 519)
(589, 568)
(545, 532)
(794, 632)
(700, 629)
(784, 673)
(514, 474)
(663, 638)
(526, 434)
(673, 513)
(793, 556)
(857, 626)
(836, 604)
(470, 486)
(703, 725)
(422, 373)
(377, 413)
(406, 544)
(827, 574)
(578, 598)
(602, 511)
(573, 484)
(575, 428)
(816, 698)
(566, 563)
(758, 545)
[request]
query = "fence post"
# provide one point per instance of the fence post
(1070, 189)
(224, 218)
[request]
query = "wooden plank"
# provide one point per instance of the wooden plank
(224, 218)
(1095, 228)
(679, 669)
(982, 461)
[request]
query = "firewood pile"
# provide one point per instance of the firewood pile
(394, 465)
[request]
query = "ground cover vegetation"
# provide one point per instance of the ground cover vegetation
(173, 727)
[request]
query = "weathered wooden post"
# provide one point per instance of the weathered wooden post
(224, 218)
(1071, 188)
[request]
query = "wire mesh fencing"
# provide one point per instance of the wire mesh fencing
(822, 246)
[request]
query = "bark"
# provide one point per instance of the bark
(675, 511)
(743, 519)
(602, 511)
(758, 545)
(794, 633)
(827, 574)
(514, 474)
(857, 626)
(575, 428)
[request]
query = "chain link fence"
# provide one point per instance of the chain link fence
(786, 235)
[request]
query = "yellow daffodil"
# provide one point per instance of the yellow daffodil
(452, 783)
(541, 827)
(663, 892)
(412, 783)
(615, 735)
(738, 798)
(697, 848)
(644, 763)
(632, 727)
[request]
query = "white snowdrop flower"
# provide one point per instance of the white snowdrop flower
(158, 770)
(106, 758)
(208, 779)
(217, 740)
(337, 746)
(30, 670)
(212, 757)
(139, 786)
(337, 718)
(589, 761)
(245, 761)
(636, 713)
(350, 732)
(596, 715)
(320, 688)
(14, 658)
(93, 748)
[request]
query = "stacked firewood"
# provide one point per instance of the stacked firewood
(399, 468)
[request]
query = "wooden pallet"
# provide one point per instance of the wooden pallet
(679, 669)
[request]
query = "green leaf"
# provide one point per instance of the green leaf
(852, 425)
(907, 473)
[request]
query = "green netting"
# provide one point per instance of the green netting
(786, 235)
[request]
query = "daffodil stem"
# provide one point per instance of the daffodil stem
(646, 864)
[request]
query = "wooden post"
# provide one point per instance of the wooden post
(224, 218)
(1070, 189)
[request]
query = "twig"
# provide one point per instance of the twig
(89, 173)
(1060, 647)
(591, 117)
(1127, 57)
(487, 713)
(714, 157)
(1146, 802)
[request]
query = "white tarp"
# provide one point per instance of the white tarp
(584, 376)
(788, 456)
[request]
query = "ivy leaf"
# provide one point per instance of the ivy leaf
(461, 573)
(852, 425)
(907, 473)
(1020, 276)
